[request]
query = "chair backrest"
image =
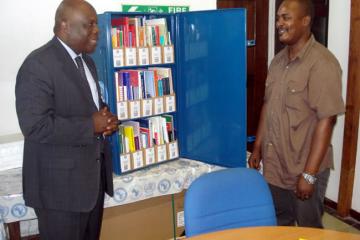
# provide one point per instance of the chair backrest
(229, 198)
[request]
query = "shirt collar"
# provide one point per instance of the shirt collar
(304, 50)
(71, 52)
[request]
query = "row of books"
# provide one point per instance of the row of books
(146, 107)
(145, 133)
(141, 56)
(143, 83)
(149, 156)
(139, 31)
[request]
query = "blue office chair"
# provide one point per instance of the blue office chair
(229, 198)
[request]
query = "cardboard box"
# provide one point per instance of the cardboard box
(150, 219)
(179, 213)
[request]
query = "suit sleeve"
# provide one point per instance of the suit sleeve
(36, 110)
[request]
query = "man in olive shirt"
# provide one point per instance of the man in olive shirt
(302, 100)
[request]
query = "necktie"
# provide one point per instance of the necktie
(89, 82)
(81, 68)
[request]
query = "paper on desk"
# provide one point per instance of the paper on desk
(11, 155)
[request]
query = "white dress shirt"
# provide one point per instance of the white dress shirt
(89, 77)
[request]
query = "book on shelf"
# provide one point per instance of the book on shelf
(129, 135)
(135, 84)
(166, 75)
(145, 133)
(140, 41)
(169, 126)
(133, 32)
(144, 92)
(136, 32)
(122, 25)
(149, 83)
(145, 130)
(145, 137)
(136, 133)
(157, 28)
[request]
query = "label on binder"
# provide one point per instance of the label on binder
(149, 156)
(158, 105)
(161, 153)
(137, 158)
(122, 110)
(125, 162)
(168, 54)
(118, 57)
(146, 107)
(155, 55)
(143, 56)
(173, 150)
(170, 103)
(130, 57)
(134, 109)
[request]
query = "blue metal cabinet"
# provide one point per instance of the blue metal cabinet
(209, 77)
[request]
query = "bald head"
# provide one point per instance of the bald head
(66, 9)
(76, 25)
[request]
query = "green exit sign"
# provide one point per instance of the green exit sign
(154, 9)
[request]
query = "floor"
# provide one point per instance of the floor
(330, 221)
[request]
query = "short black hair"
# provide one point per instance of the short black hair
(307, 8)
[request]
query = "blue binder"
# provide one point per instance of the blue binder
(209, 77)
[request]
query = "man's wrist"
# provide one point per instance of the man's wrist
(257, 146)
(310, 179)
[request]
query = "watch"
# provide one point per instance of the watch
(310, 179)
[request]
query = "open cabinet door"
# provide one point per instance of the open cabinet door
(211, 86)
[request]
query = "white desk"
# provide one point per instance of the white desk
(163, 179)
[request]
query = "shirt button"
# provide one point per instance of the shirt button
(270, 144)
(293, 90)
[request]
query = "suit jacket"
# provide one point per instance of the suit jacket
(61, 163)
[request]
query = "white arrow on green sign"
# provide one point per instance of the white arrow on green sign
(154, 9)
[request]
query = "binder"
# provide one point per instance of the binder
(209, 83)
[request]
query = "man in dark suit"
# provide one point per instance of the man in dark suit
(67, 163)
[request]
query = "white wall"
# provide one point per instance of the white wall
(338, 43)
(26, 25)
(271, 32)
(338, 35)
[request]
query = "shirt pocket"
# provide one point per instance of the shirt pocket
(296, 94)
(296, 102)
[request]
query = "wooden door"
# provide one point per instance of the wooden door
(257, 56)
